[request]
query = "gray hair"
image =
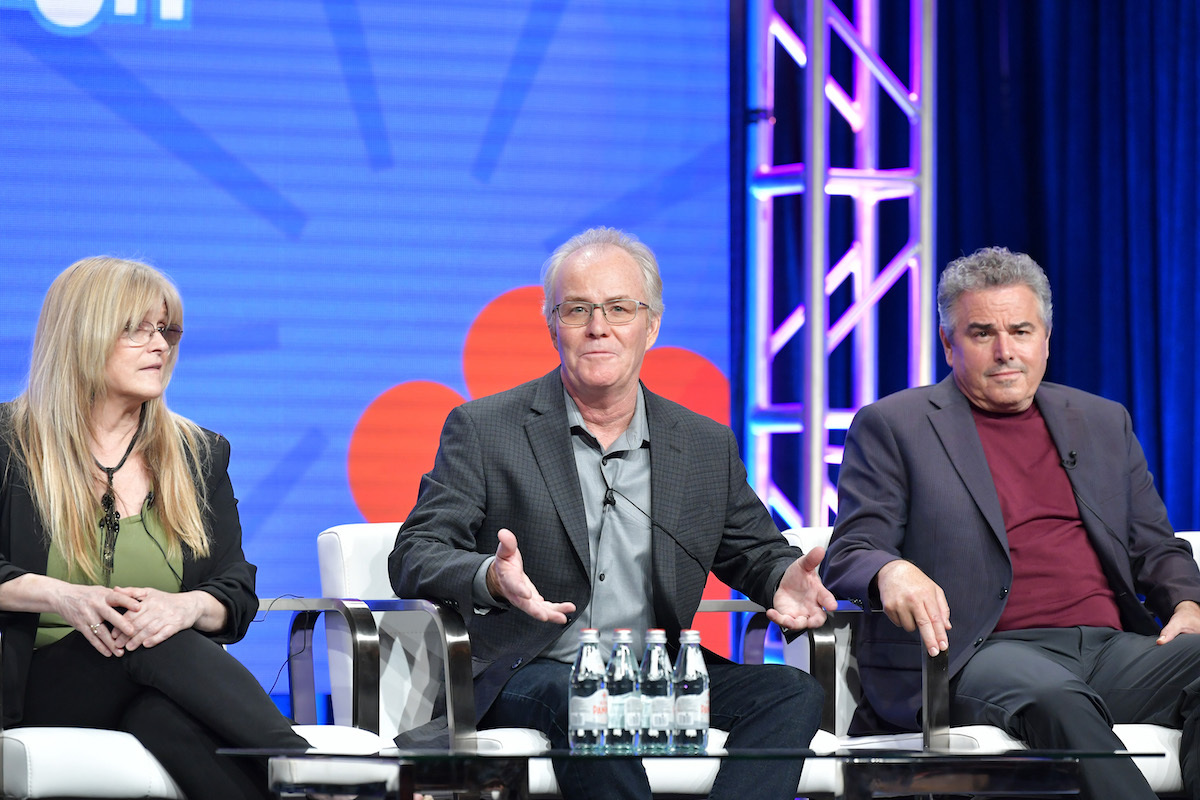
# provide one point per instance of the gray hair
(595, 239)
(988, 268)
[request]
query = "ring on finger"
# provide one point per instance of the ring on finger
(95, 626)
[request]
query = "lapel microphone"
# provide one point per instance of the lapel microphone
(610, 498)
(1070, 460)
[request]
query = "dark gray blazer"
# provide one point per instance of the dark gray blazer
(915, 484)
(505, 461)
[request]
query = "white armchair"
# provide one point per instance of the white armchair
(833, 664)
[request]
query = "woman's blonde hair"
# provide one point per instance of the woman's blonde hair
(87, 309)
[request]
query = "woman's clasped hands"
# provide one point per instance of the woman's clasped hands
(125, 618)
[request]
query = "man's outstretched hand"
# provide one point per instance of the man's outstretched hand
(506, 580)
(801, 599)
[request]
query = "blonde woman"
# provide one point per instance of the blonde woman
(121, 565)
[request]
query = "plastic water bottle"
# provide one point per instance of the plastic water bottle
(691, 695)
(588, 699)
(658, 694)
(624, 696)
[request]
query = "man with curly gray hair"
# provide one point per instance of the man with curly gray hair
(1025, 508)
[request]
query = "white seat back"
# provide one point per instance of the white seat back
(353, 560)
(353, 564)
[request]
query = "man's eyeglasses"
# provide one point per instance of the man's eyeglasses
(144, 332)
(577, 313)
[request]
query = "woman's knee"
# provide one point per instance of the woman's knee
(188, 652)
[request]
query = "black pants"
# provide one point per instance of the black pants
(761, 706)
(182, 699)
(1064, 688)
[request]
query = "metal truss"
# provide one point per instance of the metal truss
(861, 275)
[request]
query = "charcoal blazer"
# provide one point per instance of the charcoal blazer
(915, 484)
(506, 461)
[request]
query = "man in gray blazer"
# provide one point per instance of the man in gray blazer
(1025, 509)
(583, 500)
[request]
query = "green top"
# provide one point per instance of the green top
(139, 560)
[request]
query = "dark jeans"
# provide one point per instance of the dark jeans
(181, 699)
(1064, 688)
(759, 705)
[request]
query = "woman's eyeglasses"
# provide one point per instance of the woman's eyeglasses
(144, 332)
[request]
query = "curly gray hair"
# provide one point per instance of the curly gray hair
(987, 268)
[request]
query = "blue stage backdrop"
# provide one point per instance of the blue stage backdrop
(351, 197)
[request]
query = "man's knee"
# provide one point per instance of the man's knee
(768, 706)
(790, 688)
(536, 699)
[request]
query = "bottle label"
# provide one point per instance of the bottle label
(659, 714)
(616, 712)
(625, 712)
(691, 711)
(589, 712)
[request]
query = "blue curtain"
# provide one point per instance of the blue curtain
(1067, 130)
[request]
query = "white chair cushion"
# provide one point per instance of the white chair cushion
(82, 762)
(342, 739)
(679, 776)
(1162, 774)
(335, 775)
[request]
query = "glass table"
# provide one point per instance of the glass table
(505, 776)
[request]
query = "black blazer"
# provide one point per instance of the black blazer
(24, 544)
(505, 461)
(915, 484)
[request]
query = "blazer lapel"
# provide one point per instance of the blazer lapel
(668, 472)
(550, 441)
(1069, 430)
(955, 427)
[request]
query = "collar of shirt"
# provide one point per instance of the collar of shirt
(635, 436)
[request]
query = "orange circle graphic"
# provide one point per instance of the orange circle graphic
(508, 344)
(393, 445)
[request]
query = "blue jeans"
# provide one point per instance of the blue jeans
(759, 705)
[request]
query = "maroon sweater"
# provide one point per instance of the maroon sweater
(1057, 578)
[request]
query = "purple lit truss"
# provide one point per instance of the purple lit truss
(866, 273)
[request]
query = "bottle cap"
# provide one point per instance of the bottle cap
(588, 635)
(623, 635)
(689, 636)
(656, 636)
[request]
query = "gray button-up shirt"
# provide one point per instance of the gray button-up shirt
(616, 498)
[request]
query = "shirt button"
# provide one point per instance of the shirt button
(601, 576)
(517, 663)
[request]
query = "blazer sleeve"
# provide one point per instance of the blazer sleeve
(16, 517)
(1163, 568)
(873, 496)
(224, 573)
(752, 555)
(435, 554)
